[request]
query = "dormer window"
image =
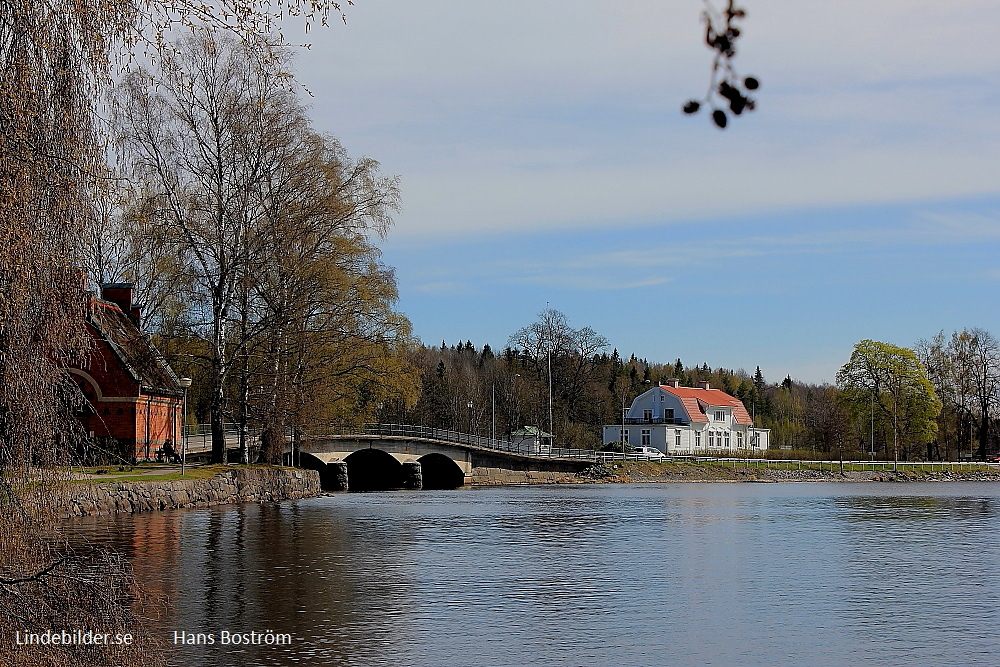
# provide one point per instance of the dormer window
(720, 415)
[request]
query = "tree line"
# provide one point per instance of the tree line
(937, 401)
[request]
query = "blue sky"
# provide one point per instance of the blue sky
(543, 159)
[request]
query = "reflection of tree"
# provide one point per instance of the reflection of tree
(287, 568)
(910, 508)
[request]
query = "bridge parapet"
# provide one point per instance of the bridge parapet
(459, 438)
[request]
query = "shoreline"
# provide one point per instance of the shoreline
(228, 487)
(631, 472)
(265, 485)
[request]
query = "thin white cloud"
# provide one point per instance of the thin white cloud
(531, 115)
(652, 262)
(921, 229)
(442, 287)
(958, 227)
(597, 280)
(469, 203)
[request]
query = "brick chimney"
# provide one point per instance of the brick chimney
(121, 295)
(672, 382)
(703, 385)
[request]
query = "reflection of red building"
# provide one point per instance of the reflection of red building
(134, 396)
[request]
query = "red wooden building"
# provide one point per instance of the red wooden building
(135, 398)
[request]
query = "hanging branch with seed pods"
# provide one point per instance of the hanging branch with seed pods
(726, 88)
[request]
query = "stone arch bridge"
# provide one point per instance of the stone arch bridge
(414, 457)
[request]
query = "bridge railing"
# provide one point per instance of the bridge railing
(199, 436)
(526, 448)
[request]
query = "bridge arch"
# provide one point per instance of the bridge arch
(328, 474)
(440, 472)
(373, 470)
(309, 461)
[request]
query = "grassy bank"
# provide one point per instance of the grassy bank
(743, 471)
(150, 472)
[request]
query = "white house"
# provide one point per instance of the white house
(688, 420)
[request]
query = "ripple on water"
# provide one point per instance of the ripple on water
(686, 574)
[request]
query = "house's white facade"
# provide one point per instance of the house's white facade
(688, 420)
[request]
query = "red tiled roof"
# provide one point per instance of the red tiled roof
(696, 400)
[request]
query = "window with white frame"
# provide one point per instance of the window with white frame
(739, 439)
(677, 438)
(647, 414)
(711, 439)
(720, 415)
(645, 437)
(697, 439)
(668, 413)
(727, 440)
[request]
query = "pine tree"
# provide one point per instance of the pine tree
(758, 380)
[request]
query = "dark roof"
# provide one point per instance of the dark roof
(136, 353)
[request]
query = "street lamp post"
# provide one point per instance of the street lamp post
(551, 428)
(470, 422)
(872, 455)
(623, 437)
(513, 405)
(184, 383)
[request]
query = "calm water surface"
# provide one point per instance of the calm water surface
(685, 574)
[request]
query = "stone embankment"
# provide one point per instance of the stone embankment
(689, 472)
(239, 485)
(506, 477)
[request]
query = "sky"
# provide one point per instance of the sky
(544, 162)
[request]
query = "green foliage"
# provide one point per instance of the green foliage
(806, 420)
(271, 227)
(891, 380)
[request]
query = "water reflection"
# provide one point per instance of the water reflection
(685, 574)
(923, 578)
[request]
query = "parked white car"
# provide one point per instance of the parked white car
(645, 454)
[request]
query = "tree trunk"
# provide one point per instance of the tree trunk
(218, 411)
(984, 429)
(218, 425)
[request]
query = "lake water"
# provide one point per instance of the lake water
(666, 574)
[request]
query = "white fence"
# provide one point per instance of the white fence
(200, 439)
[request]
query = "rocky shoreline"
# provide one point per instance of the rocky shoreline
(239, 485)
(631, 472)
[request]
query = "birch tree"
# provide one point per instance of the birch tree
(331, 344)
(552, 348)
(965, 369)
(204, 134)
